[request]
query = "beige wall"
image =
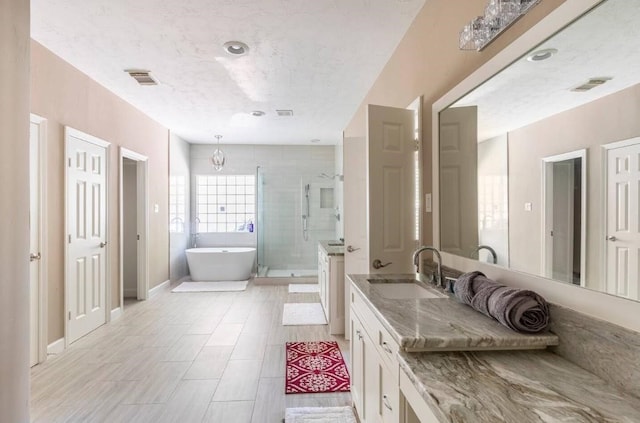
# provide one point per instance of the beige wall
(14, 211)
(609, 119)
(65, 96)
(428, 62)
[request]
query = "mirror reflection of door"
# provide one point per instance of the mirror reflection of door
(564, 217)
(623, 229)
(459, 180)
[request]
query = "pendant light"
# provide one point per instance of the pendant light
(217, 159)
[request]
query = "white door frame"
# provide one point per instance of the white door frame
(142, 172)
(71, 132)
(605, 210)
(43, 239)
(547, 222)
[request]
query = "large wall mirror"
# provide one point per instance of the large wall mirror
(540, 165)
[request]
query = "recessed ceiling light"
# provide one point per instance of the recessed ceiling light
(540, 55)
(236, 48)
(257, 113)
(315, 140)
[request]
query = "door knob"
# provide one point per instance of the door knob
(377, 264)
(103, 244)
(611, 238)
(350, 249)
(34, 257)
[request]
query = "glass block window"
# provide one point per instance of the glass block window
(226, 203)
(177, 203)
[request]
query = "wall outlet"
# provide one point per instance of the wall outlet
(528, 206)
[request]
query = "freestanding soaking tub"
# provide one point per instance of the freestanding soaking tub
(221, 263)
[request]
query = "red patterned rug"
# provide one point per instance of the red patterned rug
(314, 367)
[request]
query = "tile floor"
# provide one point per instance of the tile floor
(188, 358)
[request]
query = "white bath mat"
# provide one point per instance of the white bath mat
(296, 288)
(211, 286)
(296, 314)
(319, 415)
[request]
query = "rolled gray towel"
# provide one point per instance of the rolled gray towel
(518, 309)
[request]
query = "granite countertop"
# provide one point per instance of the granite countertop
(442, 324)
(514, 386)
(332, 250)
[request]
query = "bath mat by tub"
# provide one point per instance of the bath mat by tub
(296, 314)
(297, 288)
(319, 415)
(314, 367)
(211, 286)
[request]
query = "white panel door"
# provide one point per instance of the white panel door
(390, 191)
(459, 180)
(34, 230)
(87, 239)
(623, 229)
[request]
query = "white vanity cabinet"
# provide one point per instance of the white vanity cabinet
(376, 378)
(331, 281)
(374, 371)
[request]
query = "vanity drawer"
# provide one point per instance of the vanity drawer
(384, 343)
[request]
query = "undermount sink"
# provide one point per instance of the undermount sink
(402, 289)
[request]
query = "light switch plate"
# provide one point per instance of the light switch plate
(528, 206)
(156, 208)
(427, 203)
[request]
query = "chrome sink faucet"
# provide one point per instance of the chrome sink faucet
(436, 253)
(494, 256)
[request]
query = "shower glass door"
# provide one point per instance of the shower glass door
(294, 212)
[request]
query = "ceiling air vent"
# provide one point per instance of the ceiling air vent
(592, 83)
(284, 112)
(142, 76)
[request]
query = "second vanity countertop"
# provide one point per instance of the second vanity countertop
(442, 324)
(332, 250)
(514, 386)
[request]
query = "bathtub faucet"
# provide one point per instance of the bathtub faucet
(196, 234)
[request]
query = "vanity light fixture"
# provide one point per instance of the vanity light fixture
(498, 16)
(540, 55)
(236, 48)
(217, 158)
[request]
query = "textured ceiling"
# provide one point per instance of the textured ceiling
(603, 43)
(317, 57)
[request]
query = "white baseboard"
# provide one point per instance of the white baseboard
(164, 286)
(116, 313)
(56, 347)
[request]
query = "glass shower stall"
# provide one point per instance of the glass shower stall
(294, 211)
